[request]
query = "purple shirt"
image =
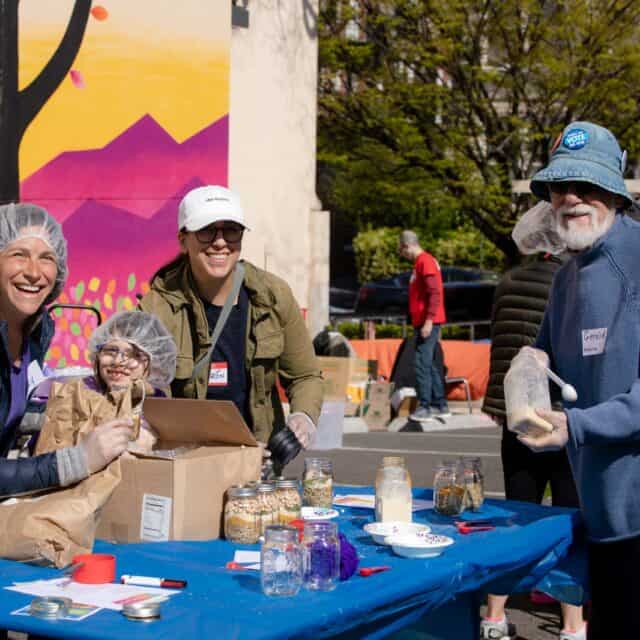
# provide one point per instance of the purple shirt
(19, 387)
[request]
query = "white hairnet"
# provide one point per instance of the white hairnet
(24, 220)
(536, 231)
(147, 333)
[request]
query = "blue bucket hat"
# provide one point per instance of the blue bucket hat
(585, 152)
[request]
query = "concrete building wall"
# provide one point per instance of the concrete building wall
(272, 148)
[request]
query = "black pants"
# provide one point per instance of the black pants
(614, 570)
(526, 473)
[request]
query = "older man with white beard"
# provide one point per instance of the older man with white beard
(591, 335)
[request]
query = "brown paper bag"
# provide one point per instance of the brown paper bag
(58, 524)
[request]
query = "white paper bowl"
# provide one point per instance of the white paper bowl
(412, 546)
(381, 530)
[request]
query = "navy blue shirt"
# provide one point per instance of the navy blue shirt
(230, 349)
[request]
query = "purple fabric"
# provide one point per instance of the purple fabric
(19, 386)
(348, 558)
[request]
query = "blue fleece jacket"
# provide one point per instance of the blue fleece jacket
(591, 331)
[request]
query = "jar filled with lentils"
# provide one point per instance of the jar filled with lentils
(269, 505)
(289, 501)
(241, 515)
(317, 482)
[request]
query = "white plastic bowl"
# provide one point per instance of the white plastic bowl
(381, 530)
(411, 546)
(318, 513)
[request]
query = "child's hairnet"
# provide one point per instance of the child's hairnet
(147, 333)
(536, 232)
(24, 220)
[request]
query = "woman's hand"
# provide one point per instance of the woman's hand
(302, 427)
(105, 443)
(147, 438)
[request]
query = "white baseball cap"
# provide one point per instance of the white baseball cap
(205, 205)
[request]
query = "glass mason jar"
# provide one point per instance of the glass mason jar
(241, 520)
(317, 483)
(321, 553)
(281, 566)
(269, 506)
(393, 491)
(448, 489)
(289, 501)
(473, 481)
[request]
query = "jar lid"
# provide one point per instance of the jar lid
(286, 483)
(266, 487)
(50, 607)
(241, 492)
(141, 610)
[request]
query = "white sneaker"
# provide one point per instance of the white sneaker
(491, 630)
(575, 635)
(421, 414)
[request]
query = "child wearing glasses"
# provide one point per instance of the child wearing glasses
(133, 356)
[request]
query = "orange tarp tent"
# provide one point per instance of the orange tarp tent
(463, 358)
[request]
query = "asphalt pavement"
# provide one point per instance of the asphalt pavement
(423, 447)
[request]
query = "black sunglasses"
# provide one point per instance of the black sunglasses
(230, 233)
(581, 189)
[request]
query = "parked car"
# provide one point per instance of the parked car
(468, 294)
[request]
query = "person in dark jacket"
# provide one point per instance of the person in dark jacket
(519, 303)
(33, 269)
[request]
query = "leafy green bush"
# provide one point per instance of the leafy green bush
(376, 251)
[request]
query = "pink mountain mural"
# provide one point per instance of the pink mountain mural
(138, 170)
(118, 207)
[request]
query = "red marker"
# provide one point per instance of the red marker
(146, 581)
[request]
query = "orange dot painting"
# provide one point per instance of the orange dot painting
(99, 13)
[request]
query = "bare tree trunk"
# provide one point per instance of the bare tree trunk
(19, 108)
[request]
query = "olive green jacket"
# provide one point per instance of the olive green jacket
(277, 343)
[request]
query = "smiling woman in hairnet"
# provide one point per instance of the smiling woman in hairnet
(33, 269)
(133, 356)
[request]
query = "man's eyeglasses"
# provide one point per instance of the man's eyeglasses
(130, 358)
(581, 189)
(230, 233)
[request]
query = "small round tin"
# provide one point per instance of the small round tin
(143, 611)
(50, 607)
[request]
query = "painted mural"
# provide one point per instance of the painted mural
(137, 115)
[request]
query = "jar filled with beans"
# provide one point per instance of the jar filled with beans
(269, 505)
(241, 515)
(289, 500)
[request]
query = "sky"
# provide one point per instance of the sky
(144, 57)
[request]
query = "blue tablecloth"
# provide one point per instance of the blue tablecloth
(529, 540)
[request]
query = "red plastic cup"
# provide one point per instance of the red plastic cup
(96, 568)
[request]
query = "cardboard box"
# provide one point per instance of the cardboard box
(339, 373)
(376, 409)
(180, 496)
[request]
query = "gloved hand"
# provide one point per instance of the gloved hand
(105, 443)
(265, 452)
(302, 426)
(147, 438)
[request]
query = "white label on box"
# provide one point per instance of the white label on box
(155, 519)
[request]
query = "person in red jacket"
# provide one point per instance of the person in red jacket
(426, 308)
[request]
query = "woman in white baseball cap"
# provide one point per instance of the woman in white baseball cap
(237, 327)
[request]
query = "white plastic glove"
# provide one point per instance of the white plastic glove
(105, 443)
(302, 427)
(266, 454)
(146, 440)
(540, 355)
(553, 441)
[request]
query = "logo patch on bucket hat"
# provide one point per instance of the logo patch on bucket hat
(575, 139)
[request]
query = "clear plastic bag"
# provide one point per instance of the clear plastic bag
(535, 232)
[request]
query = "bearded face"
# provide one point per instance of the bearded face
(584, 213)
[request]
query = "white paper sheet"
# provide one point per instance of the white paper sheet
(368, 501)
(108, 596)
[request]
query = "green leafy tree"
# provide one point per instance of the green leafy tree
(429, 109)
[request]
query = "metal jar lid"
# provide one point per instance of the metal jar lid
(286, 483)
(266, 487)
(50, 607)
(241, 492)
(141, 610)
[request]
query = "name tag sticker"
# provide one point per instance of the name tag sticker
(218, 374)
(593, 341)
